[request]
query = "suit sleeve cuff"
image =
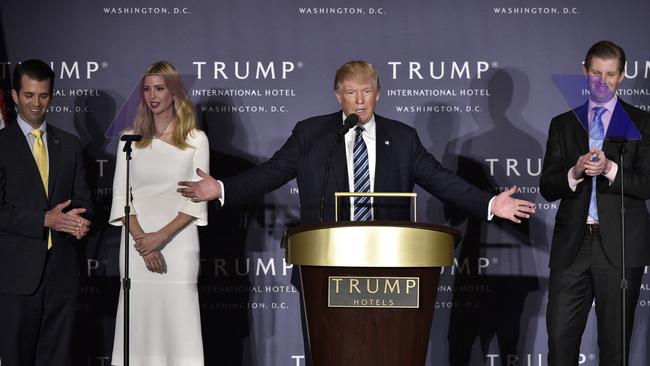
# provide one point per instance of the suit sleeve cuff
(611, 175)
(573, 183)
(222, 199)
(490, 215)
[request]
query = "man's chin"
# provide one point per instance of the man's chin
(364, 118)
(601, 97)
(34, 120)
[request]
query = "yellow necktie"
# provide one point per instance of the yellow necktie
(40, 156)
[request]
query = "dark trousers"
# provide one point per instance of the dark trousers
(571, 294)
(36, 329)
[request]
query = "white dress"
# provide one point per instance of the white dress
(165, 324)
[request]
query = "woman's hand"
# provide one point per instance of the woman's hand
(155, 262)
(147, 243)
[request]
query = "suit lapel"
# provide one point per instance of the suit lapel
(383, 154)
(339, 173)
(25, 158)
(608, 146)
(383, 148)
(580, 130)
(53, 151)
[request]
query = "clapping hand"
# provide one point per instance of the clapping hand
(598, 164)
(69, 222)
(591, 164)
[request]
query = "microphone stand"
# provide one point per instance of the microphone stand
(350, 121)
(339, 138)
(624, 284)
(126, 280)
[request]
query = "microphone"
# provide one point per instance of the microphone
(347, 124)
(128, 139)
(131, 138)
(350, 121)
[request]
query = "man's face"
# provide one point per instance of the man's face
(603, 77)
(358, 97)
(32, 100)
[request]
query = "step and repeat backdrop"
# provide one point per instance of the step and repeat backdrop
(474, 77)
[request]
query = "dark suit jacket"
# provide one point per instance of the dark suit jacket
(401, 163)
(567, 140)
(23, 203)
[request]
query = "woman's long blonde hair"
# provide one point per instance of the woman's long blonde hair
(185, 117)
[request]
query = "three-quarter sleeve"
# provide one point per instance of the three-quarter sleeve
(201, 160)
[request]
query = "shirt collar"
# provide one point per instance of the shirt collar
(27, 128)
(609, 105)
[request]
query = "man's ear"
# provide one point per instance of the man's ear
(338, 97)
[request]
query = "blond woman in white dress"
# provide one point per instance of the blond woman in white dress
(165, 324)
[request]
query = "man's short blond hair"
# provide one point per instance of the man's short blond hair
(356, 70)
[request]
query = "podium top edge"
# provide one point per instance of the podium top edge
(380, 223)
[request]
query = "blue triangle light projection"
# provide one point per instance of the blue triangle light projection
(575, 90)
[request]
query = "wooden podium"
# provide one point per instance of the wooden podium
(361, 302)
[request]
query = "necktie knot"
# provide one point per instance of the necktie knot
(37, 133)
(599, 111)
(359, 130)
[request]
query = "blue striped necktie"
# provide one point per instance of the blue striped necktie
(596, 137)
(362, 209)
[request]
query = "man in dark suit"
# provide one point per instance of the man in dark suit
(42, 197)
(378, 155)
(579, 170)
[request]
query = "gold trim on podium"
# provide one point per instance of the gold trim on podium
(373, 244)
